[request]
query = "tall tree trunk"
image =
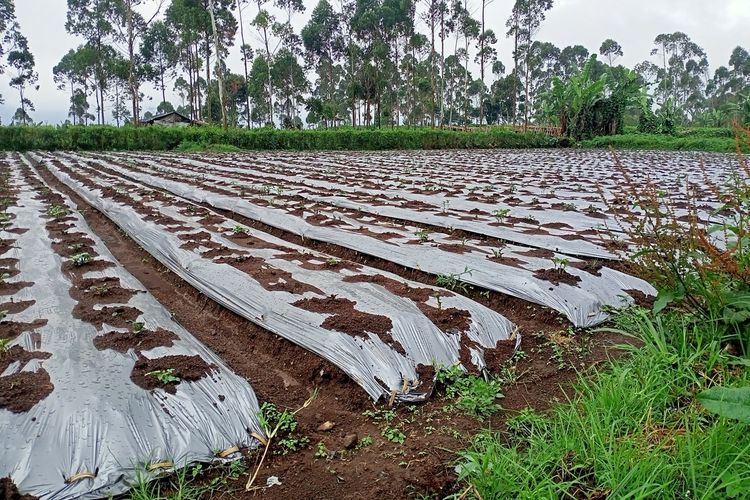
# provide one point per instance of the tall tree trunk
(209, 117)
(442, 66)
(482, 56)
(131, 61)
(515, 73)
(244, 61)
(219, 72)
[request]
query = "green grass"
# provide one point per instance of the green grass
(199, 138)
(634, 431)
(690, 141)
(196, 147)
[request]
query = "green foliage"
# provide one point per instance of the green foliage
(629, 432)
(57, 211)
(283, 426)
(394, 435)
(729, 402)
(422, 235)
(81, 259)
(453, 281)
(197, 147)
(165, 376)
(100, 138)
(474, 395)
(4, 344)
(688, 142)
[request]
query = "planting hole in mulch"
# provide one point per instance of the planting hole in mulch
(21, 391)
(168, 371)
(557, 276)
(144, 340)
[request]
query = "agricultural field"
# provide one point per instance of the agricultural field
(303, 321)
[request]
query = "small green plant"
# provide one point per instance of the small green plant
(238, 229)
(560, 264)
(438, 300)
(3, 278)
(364, 442)
(81, 259)
(100, 290)
(394, 435)
(321, 451)
(474, 395)
(592, 210)
(454, 282)
(285, 425)
(333, 261)
(498, 252)
(501, 214)
(57, 211)
(422, 235)
(137, 326)
(569, 207)
(4, 345)
(75, 247)
(4, 219)
(165, 376)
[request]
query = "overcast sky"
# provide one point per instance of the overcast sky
(716, 25)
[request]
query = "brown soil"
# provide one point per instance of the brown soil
(346, 319)
(590, 266)
(16, 307)
(12, 329)
(142, 341)
(21, 391)
(18, 353)
(399, 288)
(449, 320)
(508, 261)
(186, 368)
(116, 316)
(9, 491)
(271, 278)
(557, 276)
(540, 253)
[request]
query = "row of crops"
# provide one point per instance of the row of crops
(99, 384)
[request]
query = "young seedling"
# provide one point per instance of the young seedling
(81, 259)
(439, 302)
(365, 441)
(453, 281)
(99, 290)
(164, 376)
(422, 235)
(321, 451)
(137, 326)
(4, 345)
(333, 261)
(394, 435)
(3, 278)
(4, 219)
(560, 264)
(569, 207)
(56, 211)
(501, 214)
(591, 209)
(238, 229)
(498, 252)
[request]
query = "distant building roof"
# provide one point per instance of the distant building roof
(171, 117)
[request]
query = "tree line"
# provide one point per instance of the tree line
(373, 63)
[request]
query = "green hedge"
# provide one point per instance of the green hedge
(164, 138)
(666, 143)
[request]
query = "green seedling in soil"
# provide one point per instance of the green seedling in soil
(591, 209)
(4, 345)
(237, 229)
(137, 326)
(394, 435)
(75, 247)
(474, 395)
(99, 290)
(485, 294)
(321, 451)
(535, 200)
(569, 207)
(560, 264)
(364, 442)
(56, 211)
(3, 277)
(4, 219)
(498, 252)
(501, 214)
(81, 259)
(285, 425)
(422, 235)
(453, 281)
(164, 376)
(333, 261)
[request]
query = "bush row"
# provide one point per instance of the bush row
(163, 138)
(691, 142)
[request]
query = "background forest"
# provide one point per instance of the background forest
(376, 63)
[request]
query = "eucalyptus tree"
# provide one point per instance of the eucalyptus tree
(324, 45)
(21, 60)
(246, 52)
(684, 68)
(524, 24)
(92, 20)
(486, 52)
(572, 60)
(159, 51)
(611, 50)
(263, 23)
